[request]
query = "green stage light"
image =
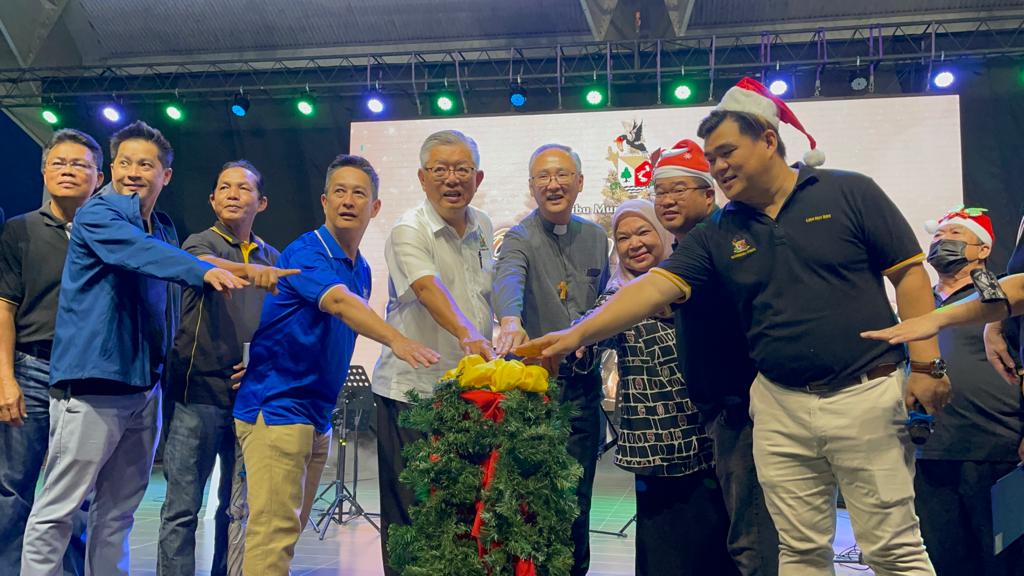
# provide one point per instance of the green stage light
(444, 103)
(681, 92)
(594, 96)
(50, 116)
(305, 106)
(175, 112)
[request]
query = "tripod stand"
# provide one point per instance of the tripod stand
(335, 512)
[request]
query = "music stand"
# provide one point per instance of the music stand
(621, 532)
(356, 382)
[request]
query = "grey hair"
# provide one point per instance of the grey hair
(76, 137)
(449, 138)
(551, 146)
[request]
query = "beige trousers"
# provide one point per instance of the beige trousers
(282, 466)
(806, 445)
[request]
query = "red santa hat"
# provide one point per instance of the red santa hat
(686, 158)
(750, 96)
(974, 219)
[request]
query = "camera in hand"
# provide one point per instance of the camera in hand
(919, 424)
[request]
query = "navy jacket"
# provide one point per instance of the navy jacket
(113, 307)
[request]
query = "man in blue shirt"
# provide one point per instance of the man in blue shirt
(108, 358)
(298, 360)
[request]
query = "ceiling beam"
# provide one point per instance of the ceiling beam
(599, 15)
(26, 26)
(679, 11)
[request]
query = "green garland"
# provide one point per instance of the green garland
(534, 473)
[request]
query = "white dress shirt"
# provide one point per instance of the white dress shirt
(422, 244)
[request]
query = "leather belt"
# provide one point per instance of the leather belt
(834, 386)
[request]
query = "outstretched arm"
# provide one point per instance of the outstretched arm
(436, 298)
(968, 311)
(635, 301)
(341, 303)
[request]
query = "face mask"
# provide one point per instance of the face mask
(948, 256)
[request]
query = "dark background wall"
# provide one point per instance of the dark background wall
(293, 152)
(22, 185)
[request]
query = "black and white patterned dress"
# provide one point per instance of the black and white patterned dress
(660, 430)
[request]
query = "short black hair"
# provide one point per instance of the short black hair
(139, 130)
(76, 137)
(246, 165)
(343, 160)
(751, 125)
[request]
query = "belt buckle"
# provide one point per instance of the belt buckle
(819, 387)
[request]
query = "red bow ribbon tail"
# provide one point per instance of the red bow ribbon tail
(525, 567)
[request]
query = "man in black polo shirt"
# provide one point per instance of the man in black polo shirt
(32, 251)
(801, 253)
(203, 361)
(977, 437)
(714, 359)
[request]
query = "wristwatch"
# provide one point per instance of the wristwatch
(936, 368)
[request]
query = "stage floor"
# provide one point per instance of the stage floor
(354, 549)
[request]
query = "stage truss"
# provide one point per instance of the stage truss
(869, 49)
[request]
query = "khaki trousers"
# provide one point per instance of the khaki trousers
(806, 445)
(282, 466)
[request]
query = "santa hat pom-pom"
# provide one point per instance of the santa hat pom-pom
(931, 226)
(814, 157)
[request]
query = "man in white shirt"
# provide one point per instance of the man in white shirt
(440, 268)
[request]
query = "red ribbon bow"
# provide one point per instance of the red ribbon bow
(489, 404)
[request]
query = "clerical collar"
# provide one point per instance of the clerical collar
(556, 229)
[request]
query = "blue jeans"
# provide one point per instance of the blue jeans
(198, 434)
(23, 449)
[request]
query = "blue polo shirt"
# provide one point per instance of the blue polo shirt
(299, 356)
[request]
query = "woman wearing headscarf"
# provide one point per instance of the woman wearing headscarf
(681, 518)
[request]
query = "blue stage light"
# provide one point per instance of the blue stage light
(240, 105)
(944, 79)
(778, 87)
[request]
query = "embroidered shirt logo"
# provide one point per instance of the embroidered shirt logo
(818, 218)
(741, 248)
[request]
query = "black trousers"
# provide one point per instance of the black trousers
(583, 392)
(753, 540)
(395, 498)
(954, 502)
(681, 526)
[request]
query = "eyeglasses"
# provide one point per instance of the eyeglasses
(543, 179)
(76, 165)
(440, 173)
(676, 192)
